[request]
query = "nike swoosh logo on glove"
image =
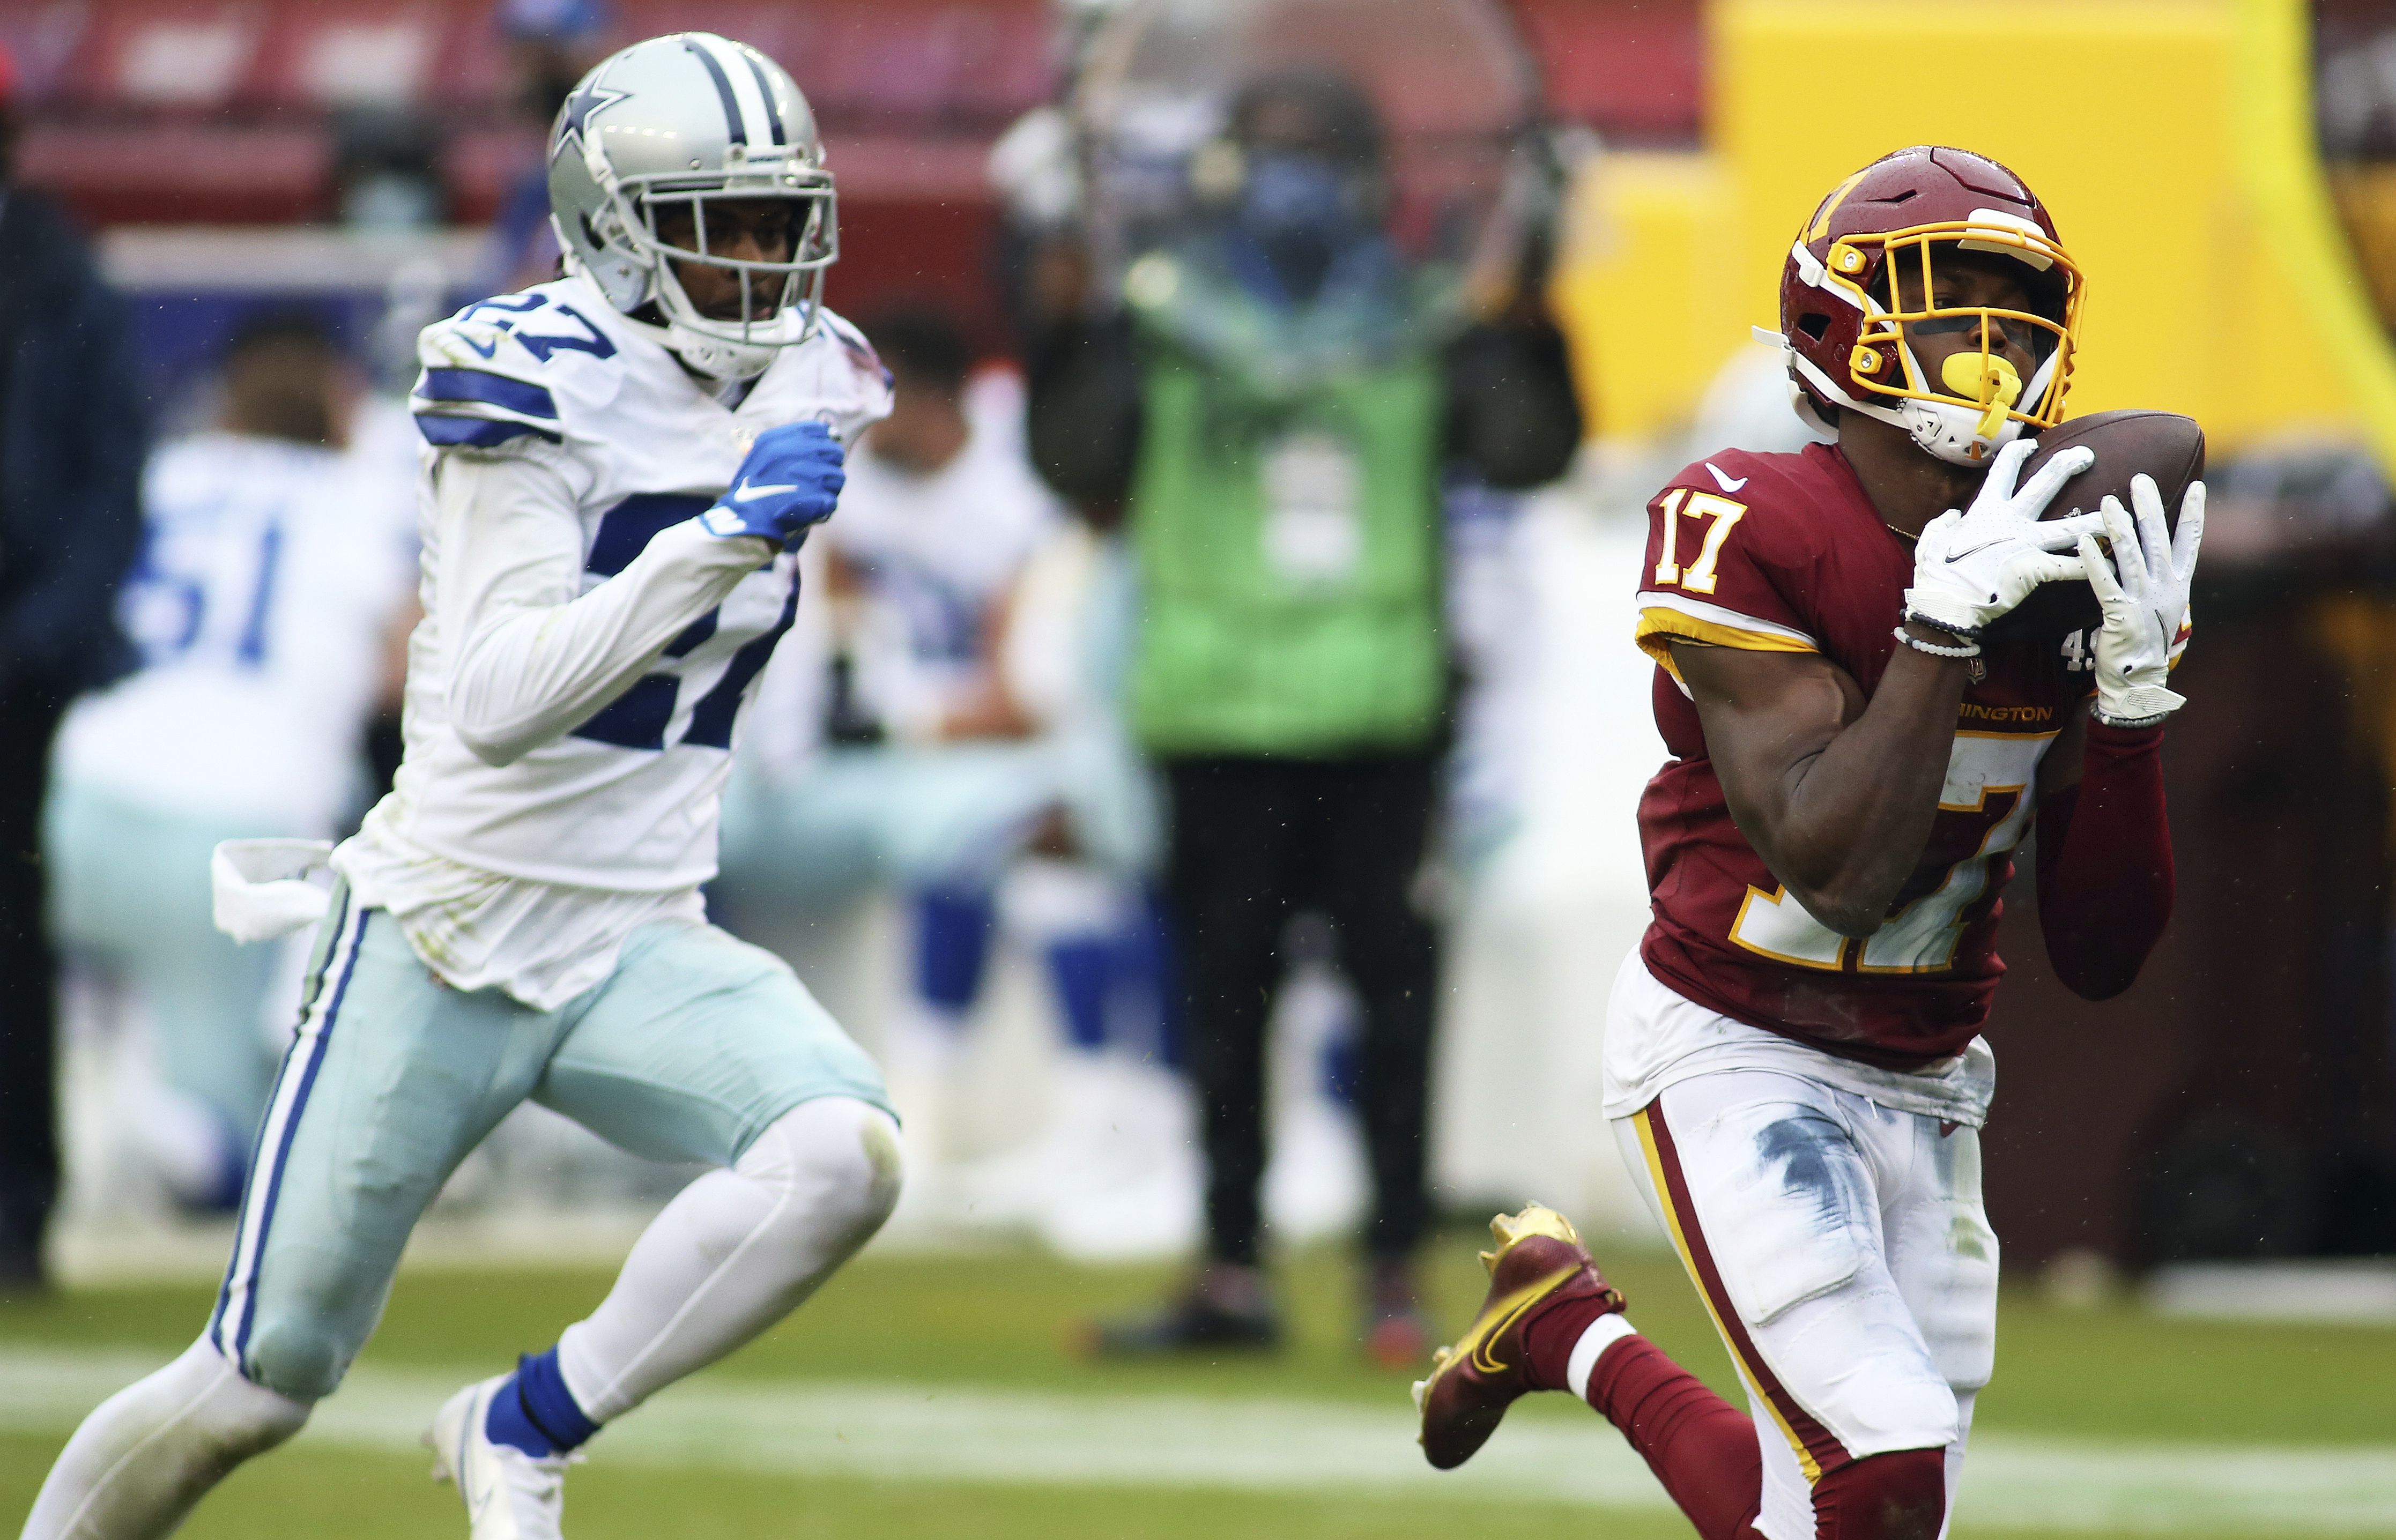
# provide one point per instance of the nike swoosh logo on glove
(1984, 545)
(751, 494)
(1726, 484)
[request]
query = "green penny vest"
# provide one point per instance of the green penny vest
(1287, 536)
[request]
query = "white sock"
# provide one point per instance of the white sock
(147, 1454)
(1603, 1333)
(735, 1252)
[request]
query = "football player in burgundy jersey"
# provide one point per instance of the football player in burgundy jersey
(1793, 1059)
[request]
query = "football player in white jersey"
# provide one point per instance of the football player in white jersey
(618, 467)
(272, 566)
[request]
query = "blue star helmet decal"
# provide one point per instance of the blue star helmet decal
(581, 108)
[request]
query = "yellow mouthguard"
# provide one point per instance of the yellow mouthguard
(1986, 381)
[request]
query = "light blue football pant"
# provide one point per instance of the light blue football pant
(946, 818)
(949, 817)
(128, 890)
(687, 1052)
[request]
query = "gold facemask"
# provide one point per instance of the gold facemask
(1983, 381)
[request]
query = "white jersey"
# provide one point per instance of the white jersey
(269, 573)
(937, 551)
(575, 686)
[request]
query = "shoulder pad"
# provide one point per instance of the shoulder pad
(497, 370)
(861, 351)
(837, 377)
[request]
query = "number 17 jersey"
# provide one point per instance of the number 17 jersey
(1786, 554)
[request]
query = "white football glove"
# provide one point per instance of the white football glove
(1973, 565)
(2145, 605)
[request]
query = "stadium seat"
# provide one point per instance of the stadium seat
(181, 173)
(918, 64)
(357, 53)
(184, 55)
(221, 111)
(1635, 70)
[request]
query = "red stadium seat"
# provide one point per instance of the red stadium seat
(181, 174)
(886, 64)
(909, 91)
(1635, 70)
(191, 56)
(340, 53)
(469, 72)
(481, 166)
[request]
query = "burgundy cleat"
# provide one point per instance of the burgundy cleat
(1539, 1265)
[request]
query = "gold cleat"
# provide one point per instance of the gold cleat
(1540, 1264)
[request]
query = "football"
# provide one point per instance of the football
(2163, 445)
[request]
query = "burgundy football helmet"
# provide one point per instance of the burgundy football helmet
(1844, 316)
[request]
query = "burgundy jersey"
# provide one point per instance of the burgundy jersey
(1785, 553)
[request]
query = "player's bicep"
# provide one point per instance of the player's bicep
(1764, 715)
(509, 538)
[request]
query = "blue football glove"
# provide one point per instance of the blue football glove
(791, 480)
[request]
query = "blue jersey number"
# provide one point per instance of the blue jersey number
(508, 314)
(167, 610)
(638, 718)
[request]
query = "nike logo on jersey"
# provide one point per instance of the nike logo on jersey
(1725, 481)
(746, 493)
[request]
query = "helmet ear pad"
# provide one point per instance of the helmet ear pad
(1816, 409)
(592, 240)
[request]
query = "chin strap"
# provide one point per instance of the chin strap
(711, 358)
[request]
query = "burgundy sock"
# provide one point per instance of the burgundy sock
(1549, 1341)
(1698, 1445)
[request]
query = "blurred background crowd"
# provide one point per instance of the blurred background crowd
(1191, 912)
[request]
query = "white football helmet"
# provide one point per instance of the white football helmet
(688, 120)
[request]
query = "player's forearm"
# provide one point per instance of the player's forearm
(1855, 817)
(2105, 877)
(526, 676)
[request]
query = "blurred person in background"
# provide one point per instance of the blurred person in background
(930, 772)
(272, 566)
(1113, 1174)
(550, 44)
(943, 514)
(387, 170)
(1275, 406)
(72, 422)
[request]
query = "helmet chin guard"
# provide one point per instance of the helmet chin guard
(662, 132)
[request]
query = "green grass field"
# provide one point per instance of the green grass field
(932, 1397)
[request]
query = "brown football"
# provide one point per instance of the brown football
(2163, 445)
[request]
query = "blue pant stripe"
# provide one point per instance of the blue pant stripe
(241, 1216)
(243, 1230)
(242, 1288)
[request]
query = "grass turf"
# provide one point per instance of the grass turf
(1004, 1318)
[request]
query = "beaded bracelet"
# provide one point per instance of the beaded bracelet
(1969, 648)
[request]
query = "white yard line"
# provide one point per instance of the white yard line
(1021, 1438)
